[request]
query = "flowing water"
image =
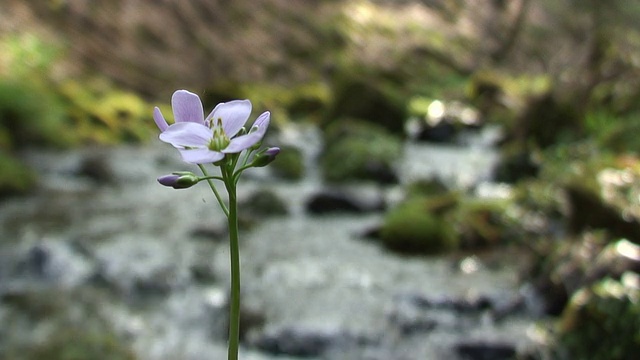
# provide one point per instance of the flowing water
(312, 281)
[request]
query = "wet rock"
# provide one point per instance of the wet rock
(440, 121)
(470, 304)
(299, 341)
(614, 260)
(441, 132)
(485, 351)
(252, 320)
(214, 233)
(516, 164)
(50, 262)
(97, 168)
(589, 210)
(263, 203)
(409, 319)
(576, 264)
(332, 201)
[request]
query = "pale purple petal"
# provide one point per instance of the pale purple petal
(187, 107)
(200, 156)
(234, 115)
(244, 142)
(168, 180)
(272, 152)
(262, 122)
(187, 134)
(159, 119)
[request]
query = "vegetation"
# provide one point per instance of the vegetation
(561, 78)
(601, 322)
(290, 163)
(414, 228)
(357, 150)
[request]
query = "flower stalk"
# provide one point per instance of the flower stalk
(220, 139)
(234, 253)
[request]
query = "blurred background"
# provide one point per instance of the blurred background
(458, 180)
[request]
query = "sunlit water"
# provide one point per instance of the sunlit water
(300, 271)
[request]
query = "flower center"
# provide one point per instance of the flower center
(220, 140)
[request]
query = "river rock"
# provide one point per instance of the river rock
(263, 203)
(614, 260)
(96, 166)
(298, 340)
(49, 262)
(481, 350)
(346, 201)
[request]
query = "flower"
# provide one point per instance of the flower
(179, 180)
(265, 157)
(207, 140)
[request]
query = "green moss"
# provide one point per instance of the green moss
(356, 150)
(482, 223)
(613, 132)
(602, 322)
(72, 322)
(303, 100)
(15, 177)
(413, 228)
(289, 164)
(101, 113)
(78, 344)
(264, 203)
(30, 116)
(373, 98)
(426, 187)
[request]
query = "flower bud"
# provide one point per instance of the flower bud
(179, 180)
(265, 157)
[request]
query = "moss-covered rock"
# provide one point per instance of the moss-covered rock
(548, 120)
(356, 150)
(414, 227)
(289, 164)
(308, 100)
(263, 203)
(426, 187)
(606, 198)
(371, 98)
(499, 96)
(79, 344)
(15, 177)
(30, 116)
(481, 223)
(558, 268)
(102, 113)
(602, 322)
(72, 325)
(516, 163)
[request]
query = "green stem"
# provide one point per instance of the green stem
(213, 188)
(234, 252)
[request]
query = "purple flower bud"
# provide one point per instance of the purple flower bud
(265, 157)
(179, 180)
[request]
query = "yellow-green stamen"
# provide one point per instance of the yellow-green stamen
(220, 140)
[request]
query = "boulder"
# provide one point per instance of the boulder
(345, 201)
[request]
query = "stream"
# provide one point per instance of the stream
(312, 286)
